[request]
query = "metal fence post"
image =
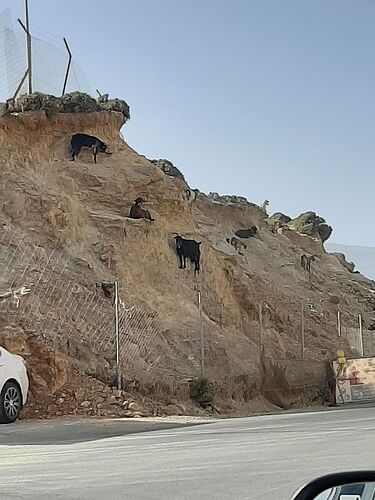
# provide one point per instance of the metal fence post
(68, 67)
(117, 334)
(339, 325)
(360, 335)
(302, 333)
(260, 313)
(303, 348)
(28, 46)
(201, 334)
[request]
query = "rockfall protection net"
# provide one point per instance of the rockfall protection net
(49, 61)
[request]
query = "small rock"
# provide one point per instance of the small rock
(79, 395)
(134, 407)
(128, 414)
(85, 404)
(334, 299)
(60, 401)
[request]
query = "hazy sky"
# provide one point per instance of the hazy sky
(262, 98)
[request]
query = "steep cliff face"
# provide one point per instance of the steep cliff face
(81, 208)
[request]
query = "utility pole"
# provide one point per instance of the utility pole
(28, 46)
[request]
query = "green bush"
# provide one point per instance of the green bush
(201, 391)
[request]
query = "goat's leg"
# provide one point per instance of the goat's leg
(181, 262)
(95, 152)
(75, 153)
(197, 266)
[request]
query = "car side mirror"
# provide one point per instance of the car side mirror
(358, 485)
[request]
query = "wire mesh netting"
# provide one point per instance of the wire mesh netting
(49, 61)
(42, 291)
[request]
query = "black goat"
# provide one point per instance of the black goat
(188, 249)
(247, 233)
(80, 141)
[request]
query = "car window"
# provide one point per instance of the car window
(352, 489)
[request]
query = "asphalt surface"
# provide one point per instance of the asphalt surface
(259, 458)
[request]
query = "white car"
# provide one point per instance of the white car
(14, 386)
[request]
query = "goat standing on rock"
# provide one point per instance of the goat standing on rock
(188, 249)
(81, 141)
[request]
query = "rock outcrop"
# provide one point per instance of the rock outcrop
(278, 220)
(312, 225)
(342, 259)
(169, 169)
(74, 102)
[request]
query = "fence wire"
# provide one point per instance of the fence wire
(49, 61)
(43, 290)
(40, 289)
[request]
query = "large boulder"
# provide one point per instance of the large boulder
(312, 225)
(278, 220)
(342, 259)
(78, 102)
(116, 105)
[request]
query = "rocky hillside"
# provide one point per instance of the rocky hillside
(81, 209)
(362, 257)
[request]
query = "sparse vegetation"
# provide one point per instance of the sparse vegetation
(201, 391)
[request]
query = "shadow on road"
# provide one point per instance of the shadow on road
(70, 431)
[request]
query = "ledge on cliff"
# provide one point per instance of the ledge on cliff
(75, 102)
(32, 136)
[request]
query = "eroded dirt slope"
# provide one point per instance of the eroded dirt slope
(79, 208)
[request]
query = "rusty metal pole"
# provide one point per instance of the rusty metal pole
(68, 67)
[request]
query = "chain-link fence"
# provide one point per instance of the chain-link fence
(49, 61)
(54, 294)
(40, 287)
(51, 293)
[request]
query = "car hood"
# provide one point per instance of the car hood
(6, 354)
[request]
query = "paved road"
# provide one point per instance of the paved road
(258, 458)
